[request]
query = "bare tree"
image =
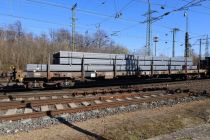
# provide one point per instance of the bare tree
(20, 48)
(101, 38)
(142, 51)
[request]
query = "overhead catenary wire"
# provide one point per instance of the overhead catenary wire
(55, 23)
(126, 5)
(116, 6)
(94, 13)
(37, 20)
(100, 14)
(50, 22)
(82, 10)
(170, 6)
(198, 5)
(28, 18)
(128, 27)
(89, 12)
(182, 8)
(117, 14)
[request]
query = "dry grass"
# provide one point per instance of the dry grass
(134, 130)
(185, 138)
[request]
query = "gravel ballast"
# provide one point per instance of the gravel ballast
(11, 127)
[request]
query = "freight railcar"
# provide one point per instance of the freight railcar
(71, 66)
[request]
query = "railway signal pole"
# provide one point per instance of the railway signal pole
(200, 42)
(73, 10)
(186, 43)
(175, 30)
(48, 67)
(155, 39)
(199, 63)
(207, 47)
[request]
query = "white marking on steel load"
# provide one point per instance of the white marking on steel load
(11, 112)
(44, 108)
(72, 105)
(85, 103)
(137, 97)
(129, 98)
(109, 101)
(65, 96)
(119, 99)
(59, 106)
(54, 97)
(28, 110)
(43, 98)
(97, 101)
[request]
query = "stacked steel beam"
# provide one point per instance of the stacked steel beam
(72, 61)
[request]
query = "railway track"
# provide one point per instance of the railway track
(37, 103)
(21, 101)
(85, 104)
(96, 91)
(76, 93)
(15, 106)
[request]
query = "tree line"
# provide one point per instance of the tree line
(18, 47)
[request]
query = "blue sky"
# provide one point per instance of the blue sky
(91, 13)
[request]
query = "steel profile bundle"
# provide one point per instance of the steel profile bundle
(36, 67)
(67, 56)
(52, 67)
(72, 61)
